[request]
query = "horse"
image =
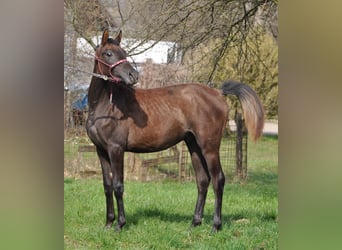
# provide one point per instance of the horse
(123, 118)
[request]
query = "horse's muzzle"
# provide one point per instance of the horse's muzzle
(133, 76)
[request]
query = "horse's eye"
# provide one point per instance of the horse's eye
(109, 53)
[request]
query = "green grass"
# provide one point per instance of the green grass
(159, 213)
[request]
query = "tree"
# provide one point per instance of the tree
(208, 32)
(88, 18)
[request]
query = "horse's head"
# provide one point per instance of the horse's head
(111, 60)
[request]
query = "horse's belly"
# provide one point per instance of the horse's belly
(152, 141)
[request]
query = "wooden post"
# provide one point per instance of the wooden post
(182, 164)
(239, 135)
(244, 150)
(180, 161)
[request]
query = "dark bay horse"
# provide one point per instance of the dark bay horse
(122, 118)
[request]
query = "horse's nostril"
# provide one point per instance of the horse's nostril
(133, 77)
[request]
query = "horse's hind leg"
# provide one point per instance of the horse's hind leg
(108, 187)
(202, 178)
(214, 166)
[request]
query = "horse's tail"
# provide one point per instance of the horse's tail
(253, 110)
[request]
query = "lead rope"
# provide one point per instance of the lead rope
(104, 77)
(111, 95)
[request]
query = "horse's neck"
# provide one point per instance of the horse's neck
(97, 91)
(100, 90)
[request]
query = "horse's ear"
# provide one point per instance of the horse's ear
(118, 38)
(105, 36)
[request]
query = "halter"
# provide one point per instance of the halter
(111, 66)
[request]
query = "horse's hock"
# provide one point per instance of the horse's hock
(174, 162)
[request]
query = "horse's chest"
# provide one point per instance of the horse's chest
(105, 130)
(94, 134)
(98, 131)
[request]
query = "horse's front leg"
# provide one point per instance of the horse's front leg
(108, 187)
(116, 154)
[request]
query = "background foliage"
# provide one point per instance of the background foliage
(218, 40)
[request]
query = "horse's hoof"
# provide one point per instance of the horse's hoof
(118, 228)
(108, 225)
(196, 222)
(216, 228)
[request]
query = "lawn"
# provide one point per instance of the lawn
(159, 213)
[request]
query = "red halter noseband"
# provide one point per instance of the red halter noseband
(111, 66)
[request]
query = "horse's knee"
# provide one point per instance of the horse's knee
(118, 188)
(108, 190)
(203, 184)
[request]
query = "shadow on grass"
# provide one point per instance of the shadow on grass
(159, 214)
(242, 218)
(68, 180)
(165, 216)
(262, 178)
(271, 136)
(170, 217)
(269, 217)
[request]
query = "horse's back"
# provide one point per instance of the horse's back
(182, 101)
(184, 96)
